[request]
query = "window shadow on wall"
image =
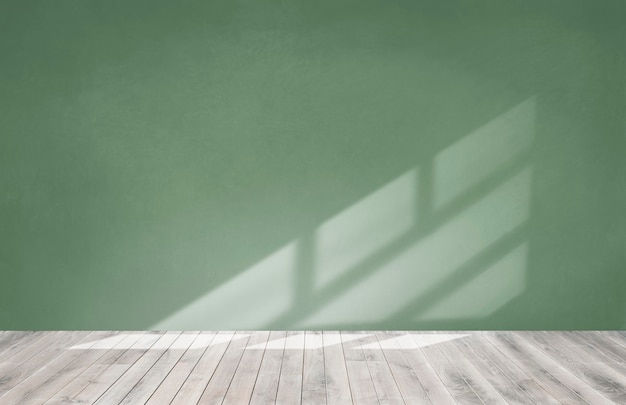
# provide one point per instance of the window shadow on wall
(459, 250)
(388, 165)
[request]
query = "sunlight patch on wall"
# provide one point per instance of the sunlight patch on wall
(487, 292)
(361, 230)
(481, 153)
(248, 301)
(433, 259)
(487, 174)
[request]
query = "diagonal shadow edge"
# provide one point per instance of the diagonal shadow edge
(427, 223)
(423, 209)
(420, 231)
(463, 274)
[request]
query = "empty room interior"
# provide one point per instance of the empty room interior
(312, 202)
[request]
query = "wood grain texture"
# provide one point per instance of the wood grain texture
(337, 383)
(611, 354)
(221, 379)
(290, 381)
(607, 381)
(131, 377)
(266, 386)
(535, 365)
(27, 376)
(244, 380)
(194, 385)
(567, 376)
(450, 376)
(116, 368)
(145, 387)
(384, 381)
(58, 372)
(169, 387)
(470, 373)
(8, 339)
(313, 374)
(515, 386)
(409, 385)
(91, 373)
(361, 383)
(433, 385)
(261, 367)
(18, 353)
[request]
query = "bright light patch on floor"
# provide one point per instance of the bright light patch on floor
(106, 343)
(413, 341)
(483, 152)
(151, 341)
(248, 301)
(432, 259)
(298, 341)
(364, 228)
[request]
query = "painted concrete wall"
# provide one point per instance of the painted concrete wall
(312, 164)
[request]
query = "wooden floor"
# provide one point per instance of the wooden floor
(104, 367)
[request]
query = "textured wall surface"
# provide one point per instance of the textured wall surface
(312, 164)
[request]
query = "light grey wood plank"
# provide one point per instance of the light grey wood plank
(514, 384)
(217, 387)
(434, 387)
(242, 385)
(564, 375)
(387, 390)
(470, 348)
(116, 367)
(83, 378)
(170, 386)
(57, 372)
(21, 350)
(601, 378)
(451, 378)
(266, 386)
(116, 393)
(606, 345)
(408, 383)
(313, 377)
(618, 337)
(24, 374)
(352, 348)
(611, 354)
(12, 338)
(586, 350)
(477, 381)
(535, 368)
(290, 380)
(193, 387)
(380, 367)
(146, 386)
(19, 342)
(148, 340)
(337, 383)
(361, 384)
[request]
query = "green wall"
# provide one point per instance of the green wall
(312, 164)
